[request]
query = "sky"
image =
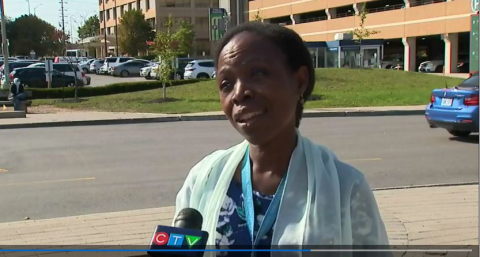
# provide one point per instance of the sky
(76, 11)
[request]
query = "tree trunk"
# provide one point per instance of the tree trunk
(164, 91)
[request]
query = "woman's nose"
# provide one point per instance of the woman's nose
(242, 92)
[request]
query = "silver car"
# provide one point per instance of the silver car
(130, 68)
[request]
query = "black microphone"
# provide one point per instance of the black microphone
(186, 235)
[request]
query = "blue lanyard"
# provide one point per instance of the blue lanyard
(272, 210)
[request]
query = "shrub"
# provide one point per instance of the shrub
(118, 88)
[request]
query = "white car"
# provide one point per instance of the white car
(112, 62)
(199, 69)
(96, 65)
(146, 71)
(435, 65)
(85, 66)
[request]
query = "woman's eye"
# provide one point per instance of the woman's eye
(258, 72)
(225, 85)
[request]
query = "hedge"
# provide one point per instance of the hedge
(117, 88)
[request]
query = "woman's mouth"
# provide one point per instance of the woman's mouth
(249, 118)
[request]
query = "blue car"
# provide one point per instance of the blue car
(455, 109)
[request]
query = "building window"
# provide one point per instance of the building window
(147, 5)
(201, 22)
(130, 6)
(102, 31)
(114, 13)
(138, 5)
(108, 14)
(152, 22)
(202, 3)
(101, 16)
(175, 3)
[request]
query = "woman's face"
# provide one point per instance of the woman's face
(258, 91)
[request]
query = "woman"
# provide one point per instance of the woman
(276, 187)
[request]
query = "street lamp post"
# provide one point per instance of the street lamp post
(6, 70)
(28, 1)
(116, 26)
(35, 9)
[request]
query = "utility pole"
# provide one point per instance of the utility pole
(105, 28)
(63, 27)
(28, 1)
(116, 31)
(4, 44)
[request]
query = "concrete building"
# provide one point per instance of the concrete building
(156, 12)
(412, 30)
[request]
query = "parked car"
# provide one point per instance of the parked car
(200, 69)
(455, 109)
(130, 68)
(96, 65)
(435, 65)
(111, 62)
(145, 71)
(35, 77)
(85, 66)
(66, 69)
(389, 62)
(16, 64)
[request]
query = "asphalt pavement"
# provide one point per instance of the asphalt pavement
(65, 171)
(103, 80)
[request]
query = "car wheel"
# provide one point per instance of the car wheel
(85, 70)
(124, 74)
(203, 76)
(458, 133)
(148, 76)
(178, 76)
(388, 67)
(71, 84)
(25, 85)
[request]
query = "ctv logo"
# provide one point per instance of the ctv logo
(175, 240)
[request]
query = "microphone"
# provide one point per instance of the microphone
(186, 235)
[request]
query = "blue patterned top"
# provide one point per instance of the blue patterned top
(232, 229)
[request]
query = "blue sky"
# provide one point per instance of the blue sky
(49, 10)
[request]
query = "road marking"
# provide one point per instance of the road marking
(48, 181)
(364, 160)
(2, 170)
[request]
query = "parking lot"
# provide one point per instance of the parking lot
(103, 80)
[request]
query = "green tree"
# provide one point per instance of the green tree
(134, 32)
(257, 16)
(28, 32)
(361, 32)
(90, 27)
(171, 43)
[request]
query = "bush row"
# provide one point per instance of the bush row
(118, 88)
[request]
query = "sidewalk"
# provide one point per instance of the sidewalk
(443, 215)
(83, 118)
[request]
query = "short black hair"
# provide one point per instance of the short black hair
(288, 41)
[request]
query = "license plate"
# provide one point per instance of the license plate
(447, 101)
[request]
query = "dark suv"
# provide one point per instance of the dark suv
(35, 77)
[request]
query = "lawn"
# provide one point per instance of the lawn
(333, 88)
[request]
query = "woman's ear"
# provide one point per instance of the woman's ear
(303, 78)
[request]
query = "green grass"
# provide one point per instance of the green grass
(334, 88)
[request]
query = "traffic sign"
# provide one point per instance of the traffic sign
(475, 6)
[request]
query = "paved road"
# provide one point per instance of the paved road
(56, 172)
(103, 80)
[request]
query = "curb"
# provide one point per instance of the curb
(12, 114)
(427, 186)
(213, 117)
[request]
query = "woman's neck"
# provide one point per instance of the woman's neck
(274, 157)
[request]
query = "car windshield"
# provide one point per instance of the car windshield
(470, 83)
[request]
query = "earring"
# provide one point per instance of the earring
(302, 101)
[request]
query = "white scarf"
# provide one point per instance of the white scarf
(326, 202)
